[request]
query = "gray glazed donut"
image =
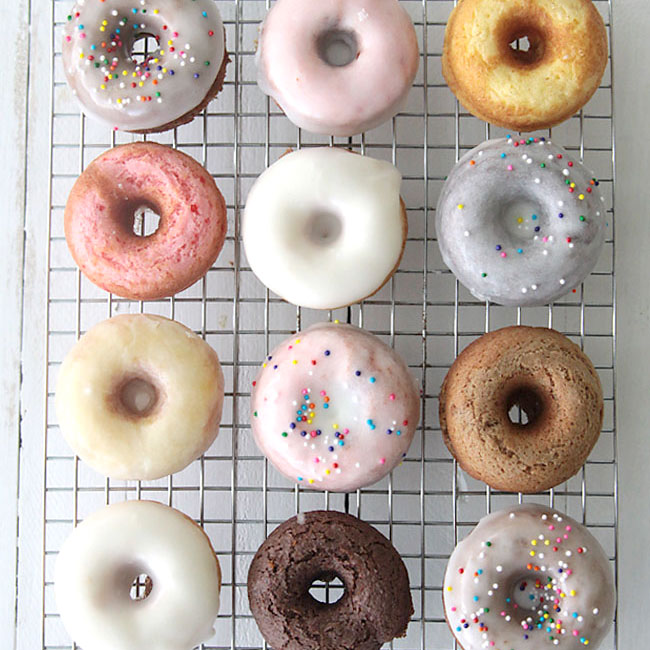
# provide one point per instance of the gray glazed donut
(519, 222)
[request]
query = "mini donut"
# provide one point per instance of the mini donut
(338, 67)
(170, 86)
(99, 216)
(334, 408)
(553, 382)
(325, 228)
(519, 89)
(100, 560)
(376, 605)
(519, 222)
(529, 577)
(139, 397)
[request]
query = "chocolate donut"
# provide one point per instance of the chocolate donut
(375, 607)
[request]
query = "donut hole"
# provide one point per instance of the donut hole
(323, 228)
(528, 590)
(138, 396)
(337, 47)
(146, 221)
(523, 43)
(327, 588)
(522, 220)
(524, 406)
(143, 48)
(141, 587)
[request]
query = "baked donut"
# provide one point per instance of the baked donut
(167, 87)
(520, 222)
(100, 211)
(325, 228)
(139, 397)
(334, 408)
(521, 89)
(337, 67)
(101, 559)
(376, 605)
(556, 386)
(529, 577)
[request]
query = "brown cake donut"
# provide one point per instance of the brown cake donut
(375, 608)
(553, 382)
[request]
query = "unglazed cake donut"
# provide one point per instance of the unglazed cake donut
(139, 397)
(325, 228)
(99, 216)
(553, 382)
(338, 67)
(334, 408)
(528, 578)
(375, 607)
(524, 90)
(103, 556)
(169, 86)
(520, 222)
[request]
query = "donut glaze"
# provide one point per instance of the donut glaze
(325, 228)
(526, 578)
(334, 408)
(520, 222)
(342, 100)
(375, 607)
(532, 89)
(178, 373)
(99, 217)
(166, 89)
(100, 560)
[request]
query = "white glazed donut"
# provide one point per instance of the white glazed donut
(526, 578)
(325, 228)
(337, 67)
(140, 397)
(334, 408)
(519, 222)
(100, 560)
(165, 90)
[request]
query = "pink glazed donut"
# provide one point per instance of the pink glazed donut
(334, 408)
(100, 211)
(338, 67)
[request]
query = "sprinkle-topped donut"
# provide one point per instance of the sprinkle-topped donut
(334, 408)
(520, 222)
(529, 578)
(163, 88)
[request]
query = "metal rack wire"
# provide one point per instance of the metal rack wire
(428, 503)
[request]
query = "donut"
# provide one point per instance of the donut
(526, 578)
(114, 188)
(556, 386)
(325, 228)
(376, 605)
(101, 559)
(152, 92)
(524, 89)
(334, 408)
(519, 222)
(139, 397)
(337, 67)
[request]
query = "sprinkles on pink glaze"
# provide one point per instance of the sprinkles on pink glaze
(334, 408)
(529, 578)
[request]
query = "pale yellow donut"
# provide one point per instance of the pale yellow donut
(178, 371)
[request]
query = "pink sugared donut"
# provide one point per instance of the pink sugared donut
(334, 408)
(100, 212)
(337, 67)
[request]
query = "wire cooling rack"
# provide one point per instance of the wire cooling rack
(428, 504)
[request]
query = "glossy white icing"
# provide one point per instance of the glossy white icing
(112, 87)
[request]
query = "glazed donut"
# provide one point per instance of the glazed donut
(376, 605)
(519, 89)
(164, 90)
(519, 222)
(99, 217)
(337, 67)
(100, 560)
(325, 228)
(529, 577)
(553, 382)
(334, 408)
(139, 397)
